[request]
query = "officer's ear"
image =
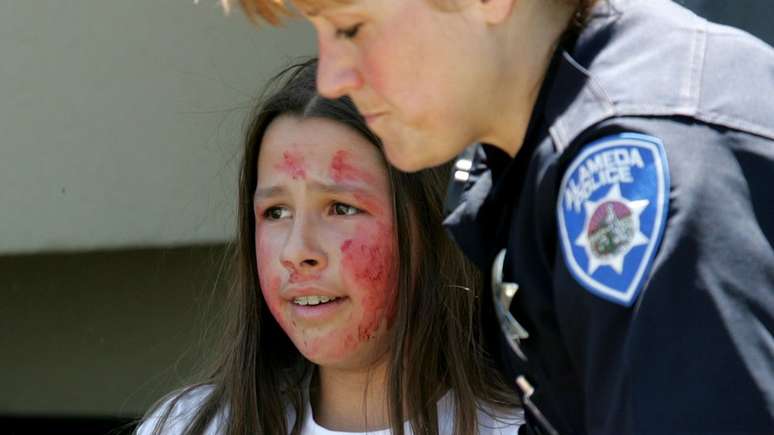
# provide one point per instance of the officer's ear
(496, 11)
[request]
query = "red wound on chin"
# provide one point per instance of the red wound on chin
(292, 164)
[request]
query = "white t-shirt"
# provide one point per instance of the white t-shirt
(505, 422)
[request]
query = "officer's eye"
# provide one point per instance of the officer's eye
(276, 213)
(341, 209)
(348, 32)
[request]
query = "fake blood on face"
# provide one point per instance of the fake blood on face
(369, 262)
(293, 164)
(343, 170)
(297, 277)
(270, 282)
(311, 248)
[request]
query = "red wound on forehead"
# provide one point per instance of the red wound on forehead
(292, 164)
(342, 170)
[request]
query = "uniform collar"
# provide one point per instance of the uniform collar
(576, 99)
(575, 102)
(479, 209)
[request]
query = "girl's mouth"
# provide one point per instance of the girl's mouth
(313, 300)
(316, 308)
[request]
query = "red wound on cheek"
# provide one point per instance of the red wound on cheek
(371, 264)
(274, 285)
(342, 170)
(270, 282)
(270, 290)
(292, 164)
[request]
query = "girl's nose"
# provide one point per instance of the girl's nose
(302, 253)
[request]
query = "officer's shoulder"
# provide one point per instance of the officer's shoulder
(663, 60)
(624, 180)
(689, 158)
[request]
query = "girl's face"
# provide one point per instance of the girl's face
(325, 240)
(418, 74)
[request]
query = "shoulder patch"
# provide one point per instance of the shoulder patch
(612, 208)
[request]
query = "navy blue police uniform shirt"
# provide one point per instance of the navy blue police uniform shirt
(636, 292)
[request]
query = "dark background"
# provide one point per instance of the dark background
(755, 16)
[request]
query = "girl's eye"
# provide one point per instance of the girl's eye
(340, 209)
(276, 213)
(349, 32)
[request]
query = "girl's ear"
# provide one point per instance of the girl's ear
(497, 11)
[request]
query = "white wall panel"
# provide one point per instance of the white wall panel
(120, 121)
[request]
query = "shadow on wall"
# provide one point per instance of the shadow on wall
(96, 338)
(67, 426)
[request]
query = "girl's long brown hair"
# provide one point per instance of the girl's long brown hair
(435, 342)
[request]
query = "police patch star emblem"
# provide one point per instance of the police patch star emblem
(611, 209)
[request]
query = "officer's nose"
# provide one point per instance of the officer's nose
(303, 255)
(337, 72)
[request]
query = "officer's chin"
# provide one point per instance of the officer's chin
(413, 159)
(404, 159)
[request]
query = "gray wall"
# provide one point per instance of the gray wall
(120, 121)
(120, 128)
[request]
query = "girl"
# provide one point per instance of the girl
(353, 311)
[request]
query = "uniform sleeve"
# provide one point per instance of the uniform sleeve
(693, 350)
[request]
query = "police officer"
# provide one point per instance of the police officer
(618, 193)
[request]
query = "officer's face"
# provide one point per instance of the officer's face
(325, 241)
(414, 71)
